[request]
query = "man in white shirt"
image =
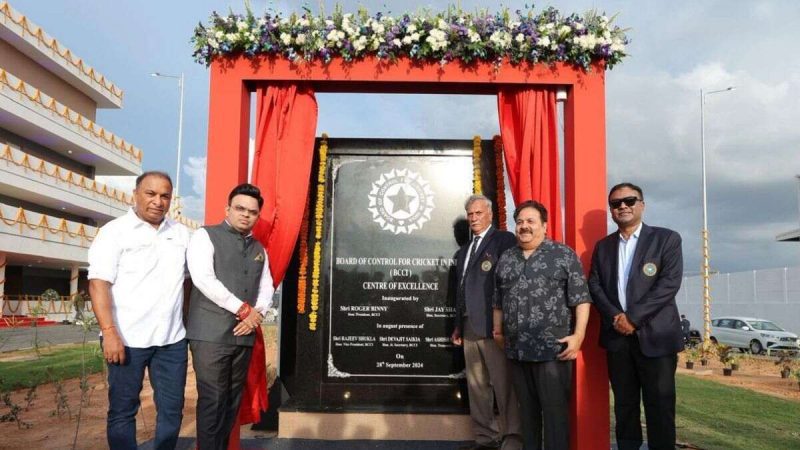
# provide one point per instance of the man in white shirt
(137, 267)
(232, 292)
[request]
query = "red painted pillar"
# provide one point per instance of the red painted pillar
(585, 194)
(228, 139)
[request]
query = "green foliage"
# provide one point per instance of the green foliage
(692, 354)
(63, 362)
(714, 416)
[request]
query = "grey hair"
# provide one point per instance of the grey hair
(474, 198)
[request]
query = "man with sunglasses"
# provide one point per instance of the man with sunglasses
(636, 273)
(232, 292)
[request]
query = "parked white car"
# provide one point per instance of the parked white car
(755, 335)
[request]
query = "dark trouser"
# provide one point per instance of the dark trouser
(221, 371)
(543, 389)
(489, 381)
(166, 366)
(635, 377)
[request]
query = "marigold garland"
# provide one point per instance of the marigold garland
(319, 210)
(302, 286)
(477, 184)
(500, 180)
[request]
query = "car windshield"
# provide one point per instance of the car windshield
(765, 325)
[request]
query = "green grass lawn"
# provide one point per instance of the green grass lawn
(714, 416)
(63, 362)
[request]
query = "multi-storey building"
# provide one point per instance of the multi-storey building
(51, 150)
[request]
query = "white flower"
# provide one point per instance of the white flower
(550, 26)
(328, 23)
(333, 35)
(617, 45)
(300, 39)
(233, 37)
(261, 22)
(586, 42)
(286, 38)
(501, 39)
(520, 38)
(578, 26)
(406, 40)
(213, 43)
(219, 35)
(360, 43)
(415, 37)
(241, 25)
(396, 42)
(564, 30)
(473, 36)
(443, 25)
(544, 41)
(303, 22)
(411, 28)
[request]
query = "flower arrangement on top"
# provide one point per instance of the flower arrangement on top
(454, 35)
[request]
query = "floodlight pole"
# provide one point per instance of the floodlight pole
(704, 234)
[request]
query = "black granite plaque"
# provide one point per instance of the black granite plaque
(391, 253)
(392, 223)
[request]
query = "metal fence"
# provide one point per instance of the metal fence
(772, 294)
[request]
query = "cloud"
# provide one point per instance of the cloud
(194, 203)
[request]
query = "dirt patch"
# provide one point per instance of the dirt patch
(759, 374)
(48, 431)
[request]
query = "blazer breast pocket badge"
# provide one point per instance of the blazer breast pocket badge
(259, 257)
(650, 269)
(486, 264)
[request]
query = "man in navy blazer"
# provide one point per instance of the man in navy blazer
(636, 273)
(488, 376)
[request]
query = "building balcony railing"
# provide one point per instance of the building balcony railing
(80, 138)
(31, 39)
(20, 222)
(32, 179)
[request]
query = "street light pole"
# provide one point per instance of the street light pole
(705, 268)
(180, 79)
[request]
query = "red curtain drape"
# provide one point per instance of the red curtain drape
(286, 124)
(529, 130)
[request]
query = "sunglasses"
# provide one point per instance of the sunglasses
(628, 201)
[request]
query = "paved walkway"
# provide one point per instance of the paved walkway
(21, 338)
(275, 443)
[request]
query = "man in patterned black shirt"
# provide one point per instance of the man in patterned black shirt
(538, 283)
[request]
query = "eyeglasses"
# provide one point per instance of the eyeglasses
(628, 201)
(242, 210)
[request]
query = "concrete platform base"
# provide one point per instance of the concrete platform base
(350, 426)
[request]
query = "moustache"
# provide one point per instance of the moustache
(525, 231)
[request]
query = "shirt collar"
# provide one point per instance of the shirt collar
(233, 230)
(634, 235)
(483, 233)
(136, 222)
(546, 245)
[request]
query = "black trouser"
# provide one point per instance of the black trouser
(635, 377)
(543, 389)
(221, 371)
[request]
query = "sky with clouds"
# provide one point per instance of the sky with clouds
(652, 101)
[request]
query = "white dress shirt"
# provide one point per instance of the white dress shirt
(627, 248)
(146, 268)
(473, 243)
(200, 257)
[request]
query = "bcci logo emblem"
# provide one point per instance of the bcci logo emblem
(400, 201)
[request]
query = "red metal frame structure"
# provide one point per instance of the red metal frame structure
(233, 80)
